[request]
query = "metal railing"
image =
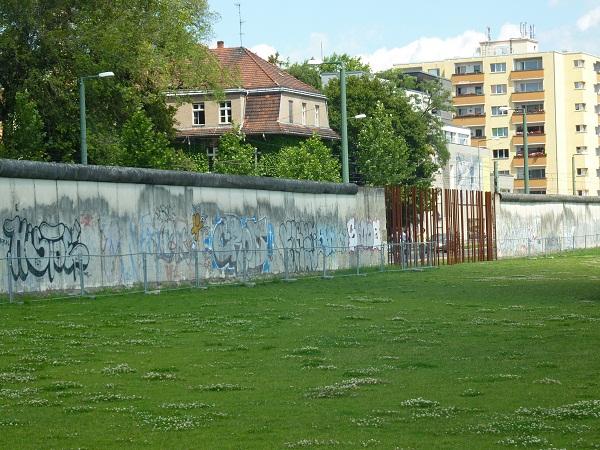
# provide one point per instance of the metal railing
(70, 276)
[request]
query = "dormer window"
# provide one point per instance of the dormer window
(225, 112)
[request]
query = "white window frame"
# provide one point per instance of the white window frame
(579, 106)
(582, 172)
(578, 64)
(499, 89)
(198, 112)
(303, 113)
(496, 132)
(581, 150)
(582, 128)
(291, 111)
(501, 153)
(225, 112)
(579, 85)
(498, 111)
(317, 118)
(498, 67)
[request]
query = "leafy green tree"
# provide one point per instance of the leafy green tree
(23, 133)
(306, 73)
(422, 132)
(383, 157)
(234, 156)
(152, 47)
(309, 160)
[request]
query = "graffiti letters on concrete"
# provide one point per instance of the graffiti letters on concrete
(305, 241)
(45, 249)
(365, 234)
(165, 235)
(234, 238)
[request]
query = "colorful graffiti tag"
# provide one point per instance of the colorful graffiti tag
(235, 241)
(365, 234)
(45, 249)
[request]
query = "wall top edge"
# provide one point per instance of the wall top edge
(10, 168)
(544, 198)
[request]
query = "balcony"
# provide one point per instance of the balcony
(532, 138)
(527, 74)
(517, 97)
(469, 99)
(467, 120)
(535, 183)
(537, 159)
(532, 117)
(466, 78)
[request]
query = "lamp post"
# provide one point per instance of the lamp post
(83, 131)
(345, 165)
(525, 147)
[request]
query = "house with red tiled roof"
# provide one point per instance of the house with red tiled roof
(261, 98)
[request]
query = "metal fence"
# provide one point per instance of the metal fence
(70, 276)
(56, 277)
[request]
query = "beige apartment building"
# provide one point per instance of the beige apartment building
(560, 94)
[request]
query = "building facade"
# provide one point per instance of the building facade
(509, 84)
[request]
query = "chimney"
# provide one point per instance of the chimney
(220, 44)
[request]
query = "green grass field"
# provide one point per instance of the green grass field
(487, 355)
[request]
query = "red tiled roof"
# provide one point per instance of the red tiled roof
(256, 73)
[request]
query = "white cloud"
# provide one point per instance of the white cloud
(426, 49)
(589, 20)
(263, 50)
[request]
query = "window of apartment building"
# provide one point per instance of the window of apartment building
(580, 128)
(501, 153)
(583, 192)
(477, 132)
(498, 89)
(504, 173)
(534, 174)
(531, 108)
(434, 72)
(532, 150)
(291, 111)
(469, 90)
(582, 150)
(500, 132)
(303, 113)
(467, 68)
(317, 115)
(582, 172)
(497, 67)
(225, 112)
(530, 86)
(198, 114)
(578, 63)
(497, 111)
(580, 85)
(579, 106)
(528, 64)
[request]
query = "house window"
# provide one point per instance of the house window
(198, 114)
(303, 113)
(579, 106)
(501, 153)
(532, 86)
(317, 115)
(528, 64)
(578, 63)
(497, 111)
(580, 128)
(500, 132)
(498, 89)
(580, 85)
(291, 111)
(582, 172)
(498, 67)
(225, 112)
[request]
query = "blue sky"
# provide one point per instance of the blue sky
(385, 32)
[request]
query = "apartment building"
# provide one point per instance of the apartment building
(509, 84)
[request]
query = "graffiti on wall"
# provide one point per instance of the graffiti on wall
(305, 241)
(45, 249)
(365, 234)
(165, 235)
(235, 241)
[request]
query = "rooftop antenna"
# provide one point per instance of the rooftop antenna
(488, 34)
(523, 30)
(241, 22)
(532, 31)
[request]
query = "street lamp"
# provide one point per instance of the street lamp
(525, 147)
(83, 137)
(345, 168)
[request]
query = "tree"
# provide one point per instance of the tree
(233, 155)
(309, 160)
(23, 135)
(45, 47)
(382, 157)
(421, 131)
(306, 73)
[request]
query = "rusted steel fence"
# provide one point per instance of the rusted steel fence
(460, 225)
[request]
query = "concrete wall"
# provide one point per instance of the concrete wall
(533, 224)
(111, 216)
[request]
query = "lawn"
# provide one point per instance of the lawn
(486, 355)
